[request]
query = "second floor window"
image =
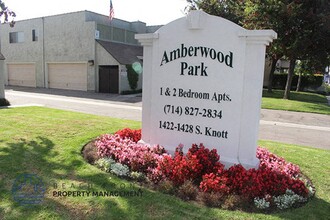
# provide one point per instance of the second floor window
(16, 37)
(35, 35)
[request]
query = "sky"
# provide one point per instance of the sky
(152, 12)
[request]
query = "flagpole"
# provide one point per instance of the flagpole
(111, 11)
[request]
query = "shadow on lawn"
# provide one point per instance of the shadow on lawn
(297, 96)
(315, 209)
(40, 157)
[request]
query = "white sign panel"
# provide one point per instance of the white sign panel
(202, 83)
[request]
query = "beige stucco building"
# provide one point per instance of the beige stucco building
(78, 51)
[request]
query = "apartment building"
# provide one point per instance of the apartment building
(76, 51)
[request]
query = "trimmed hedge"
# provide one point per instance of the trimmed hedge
(313, 82)
(4, 102)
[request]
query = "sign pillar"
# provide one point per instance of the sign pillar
(202, 83)
(146, 41)
(256, 42)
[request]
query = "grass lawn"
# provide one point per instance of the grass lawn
(48, 142)
(300, 101)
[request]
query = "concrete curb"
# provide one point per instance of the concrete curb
(19, 106)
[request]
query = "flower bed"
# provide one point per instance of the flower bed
(198, 174)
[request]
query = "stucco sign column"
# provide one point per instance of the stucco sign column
(202, 83)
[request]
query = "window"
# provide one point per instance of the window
(16, 37)
(35, 35)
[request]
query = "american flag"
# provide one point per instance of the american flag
(111, 12)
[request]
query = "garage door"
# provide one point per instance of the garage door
(67, 76)
(22, 75)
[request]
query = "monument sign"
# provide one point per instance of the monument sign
(202, 83)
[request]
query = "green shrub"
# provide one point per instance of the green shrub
(211, 199)
(90, 153)
(138, 176)
(132, 77)
(310, 81)
(232, 202)
(120, 170)
(325, 89)
(188, 191)
(288, 199)
(261, 203)
(166, 186)
(105, 164)
(4, 102)
(129, 92)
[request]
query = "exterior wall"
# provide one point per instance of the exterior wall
(26, 52)
(70, 40)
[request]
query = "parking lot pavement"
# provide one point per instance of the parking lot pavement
(295, 128)
(282, 126)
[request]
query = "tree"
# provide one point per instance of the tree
(317, 55)
(7, 14)
(229, 9)
(311, 40)
(302, 27)
(250, 15)
(287, 19)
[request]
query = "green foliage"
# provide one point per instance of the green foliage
(212, 199)
(105, 163)
(166, 186)
(7, 13)
(261, 203)
(307, 81)
(232, 201)
(231, 10)
(288, 199)
(132, 76)
(303, 27)
(188, 191)
(138, 176)
(326, 88)
(120, 170)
